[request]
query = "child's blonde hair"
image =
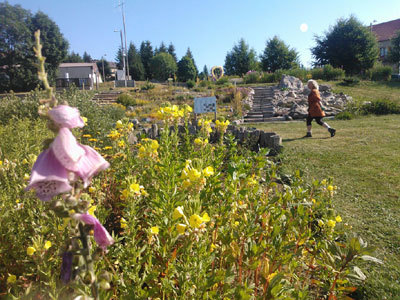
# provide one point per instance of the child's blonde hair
(313, 83)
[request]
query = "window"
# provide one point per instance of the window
(383, 51)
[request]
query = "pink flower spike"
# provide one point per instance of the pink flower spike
(49, 178)
(90, 164)
(66, 116)
(101, 235)
(67, 150)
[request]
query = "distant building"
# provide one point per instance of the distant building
(113, 68)
(83, 75)
(384, 33)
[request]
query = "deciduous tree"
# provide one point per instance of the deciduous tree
(348, 44)
(163, 66)
(186, 69)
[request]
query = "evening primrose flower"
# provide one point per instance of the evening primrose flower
(47, 245)
(331, 223)
(338, 219)
(193, 174)
(222, 125)
(91, 210)
(123, 223)
(154, 230)
(121, 144)
(195, 221)
(323, 182)
(92, 189)
(30, 251)
(181, 228)
(119, 124)
(209, 171)
(86, 136)
(11, 279)
(330, 188)
(178, 213)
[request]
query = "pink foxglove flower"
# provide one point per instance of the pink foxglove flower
(49, 178)
(67, 150)
(66, 116)
(101, 235)
(90, 164)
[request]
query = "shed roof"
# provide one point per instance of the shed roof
(387, 30)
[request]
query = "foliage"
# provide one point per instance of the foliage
(223, 81)
(240, 59)
(348, 45)
(171, 50)
(351, 81)
(127, 100)
(251, 77)
(13, 107)
(277, 55)
(16, 41)
(394, 52)
(380, 73)
(327, 73)
(190, 84)
(163, 66)
(380, 107)
(344, 115)
(190, 55)
(73, 58)
(147, 86)
(146, 54)
(186, 69)
(136, 67)
(86, 57)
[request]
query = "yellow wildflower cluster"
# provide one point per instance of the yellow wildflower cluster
(221, 125)
(200, 142)
(120, 128)
(173, 112)
(193, 177)
(195, 221)
(205, 126)
(148, 148)
(133, 190)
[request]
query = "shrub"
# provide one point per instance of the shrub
(251, 77)
(299, 73)
(190, 84)
(204, 83)
(222, 81)
(13, 107)
(267, 78)
(380, 73)
(344, 115)
(381, 107)
(125, 99)
(147, 86)
(331, 73)
(350, 81)
(317, 73)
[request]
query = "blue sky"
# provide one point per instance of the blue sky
(209, 28)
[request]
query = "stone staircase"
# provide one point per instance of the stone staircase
(106, 97)
(262, 109)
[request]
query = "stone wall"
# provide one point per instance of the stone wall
(252, 138)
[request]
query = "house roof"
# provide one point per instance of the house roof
(385, 31)
(72, 65)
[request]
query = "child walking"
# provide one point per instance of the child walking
(314, 109)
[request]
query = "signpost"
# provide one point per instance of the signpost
(205, 105)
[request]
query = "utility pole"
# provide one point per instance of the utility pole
(123, 21)
(123, 55)
(102, 61)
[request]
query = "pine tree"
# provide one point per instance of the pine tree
(86, 57)
(146, 54)
(73, 58)
(190, 55)
(186, 69)
(277, 55)
(240, 60)
(171, 50)
(136, 67)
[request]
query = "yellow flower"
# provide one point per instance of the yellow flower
(11, 279)
(331, 223)
(198, 141)
(321, 223)
(313, 201)
(130, 126)
(135, 188)
(92, 189)
(91, 210)
(30, 251)
(181, 228)
(323, 182)
(212, 247)
(86, 136)
(154, 145)
(195, 221)
(154, 230)
(1, 162)
(121, 144)
(209, 171)
(193, 174)
(119, 124)
(338, 219)
(178, 212)
(206, 218)
(84, 119)
(272, 275)
(330, 188)
(47, 245)
(92, 140)
(236, 224)
(25, 162)
(123, 223)
(107, 148)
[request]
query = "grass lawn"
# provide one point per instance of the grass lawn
(364, 161)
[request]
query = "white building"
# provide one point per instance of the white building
(83, 75)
